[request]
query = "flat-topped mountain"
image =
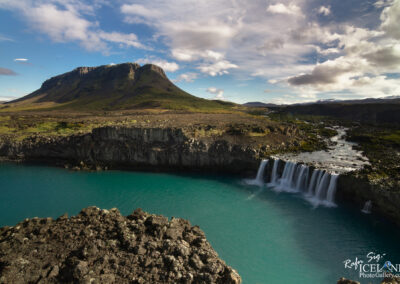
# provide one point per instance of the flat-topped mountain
(114, 87)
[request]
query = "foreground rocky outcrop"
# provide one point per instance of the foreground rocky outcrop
(389, 280)
(101, 246)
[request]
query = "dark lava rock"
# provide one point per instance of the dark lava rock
(347, 281)
(102, 246)
(388, 280)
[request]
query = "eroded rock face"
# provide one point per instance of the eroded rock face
(101, 246)
(388, 280)
(346, 281)
(358, 190)
(152, 148)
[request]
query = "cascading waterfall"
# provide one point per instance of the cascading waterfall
(330, 198)
(318, 186)
(259, 180)
(285, 183)
(302, 178)
(274, 174)
(320, 192)
(260, 172)
(313, 182)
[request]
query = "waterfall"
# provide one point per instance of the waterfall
(313, 182)
(323, 184)
(260, 172)
(285, 183)
(332, 190)
(274, 174)
(259, 180)
(367, 207)
(302, 178)
(320, 189)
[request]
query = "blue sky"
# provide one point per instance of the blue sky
(260, 50)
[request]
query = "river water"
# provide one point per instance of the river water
(271, 237)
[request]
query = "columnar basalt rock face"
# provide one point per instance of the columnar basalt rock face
(156, 148)
(101, 246)
(357, 191)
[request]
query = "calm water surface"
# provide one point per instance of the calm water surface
(268, 237)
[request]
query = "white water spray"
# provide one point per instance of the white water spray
(259, 180)
(320, 189)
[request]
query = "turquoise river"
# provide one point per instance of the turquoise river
(267, 237)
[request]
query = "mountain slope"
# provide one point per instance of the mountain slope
(114, 87)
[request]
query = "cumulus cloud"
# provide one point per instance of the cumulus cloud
(217, 68)
(219, 93)
(390, 18)
(167, 66)
(191, 55)
(388, 57)
(186, 77)
(327, 73)
(280, 8)
(366, 55)
(280, 41)
(324, 10)
(7, 72)
(63, 21)
(283, 43)
(200, 37)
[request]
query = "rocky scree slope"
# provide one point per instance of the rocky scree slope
(101, 246)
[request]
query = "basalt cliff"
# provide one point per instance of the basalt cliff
(138, 148)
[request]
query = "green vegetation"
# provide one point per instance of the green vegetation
(382, 147)
(119, 87)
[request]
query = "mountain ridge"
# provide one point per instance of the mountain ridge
(115, 87)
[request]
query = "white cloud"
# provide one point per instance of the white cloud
(63, 21)
(390, 18)
(20, 59)
(191, 55)
(167, 66)
(365, 56)
(186, 77)
(324, 10)
(5, 38)
(6, 98)
(280, 41)
(219, 93)
(139, 10)
(124, 39)
(198, 36)
(280, 8)
(217, 68)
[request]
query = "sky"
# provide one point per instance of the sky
(236, 50)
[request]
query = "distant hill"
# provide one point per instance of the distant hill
(366, 112)
(114, 87)
(389, 99)
(259, 104)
